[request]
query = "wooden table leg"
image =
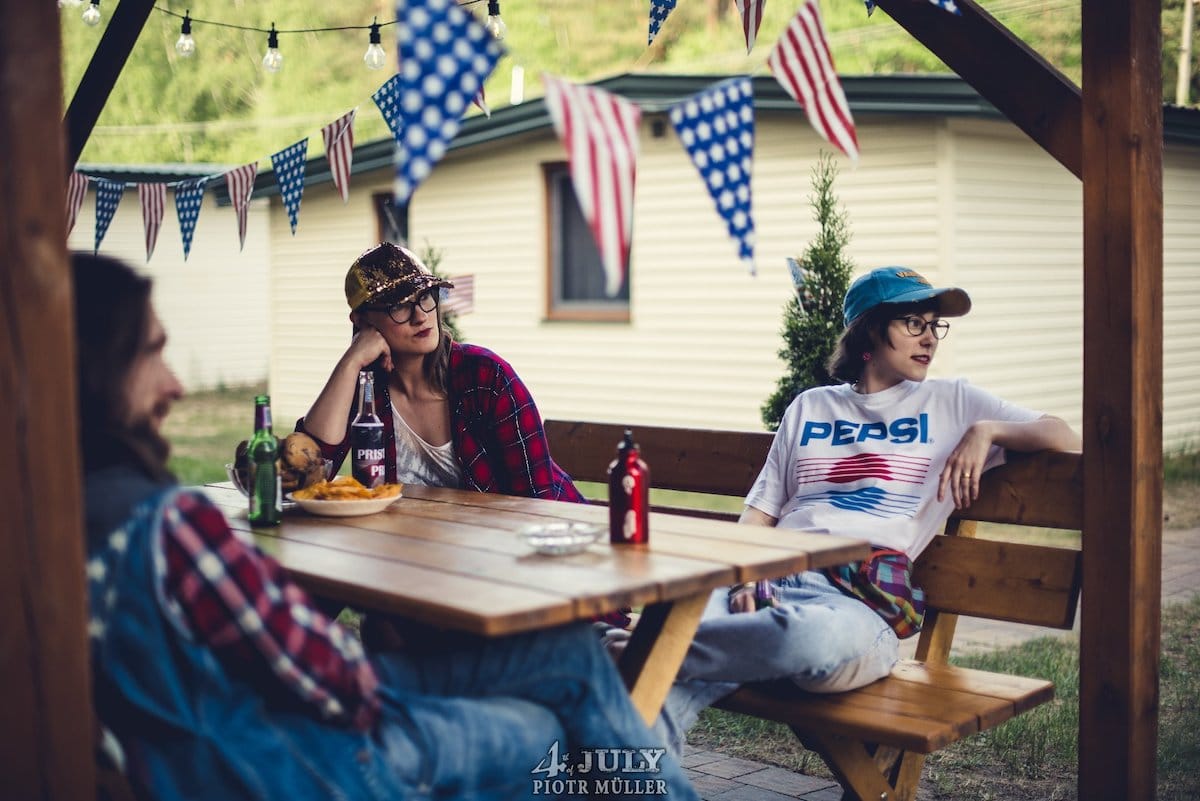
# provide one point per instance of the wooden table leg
(656, 650)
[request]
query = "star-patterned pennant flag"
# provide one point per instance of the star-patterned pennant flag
(240, 183)
(154, 200)
(387, 99)
(188, 197)
(600, 132)
(445, 57)
(659, 11)
(339, 150)
(289, 165)
(108, 197)
(77, 186)
(803, 65)
(716, 126)
(870, 7)
(751, 12)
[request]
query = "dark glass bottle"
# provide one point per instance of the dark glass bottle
(266, 492)
(366, 436)
(628, 495)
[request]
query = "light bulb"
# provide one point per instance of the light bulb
(185, 45)
(374, 58)
(494, 25)
(273, 60)
(91, 14)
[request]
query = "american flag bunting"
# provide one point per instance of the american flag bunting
(387, 99)
(659, 11)
(600, 132)
(751, 12)
(716, 127)
(289, 165)
(240, 183)
(445, 57)
(77, 186)
(802, 64)
(108, 197)
(339, 150)
(153, 198)
(188, 197)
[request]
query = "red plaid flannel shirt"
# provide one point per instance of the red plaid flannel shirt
(237, 601)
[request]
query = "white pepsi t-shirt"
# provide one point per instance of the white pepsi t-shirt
(867, 466)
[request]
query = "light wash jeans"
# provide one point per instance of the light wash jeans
(471, 718)
(823, 640)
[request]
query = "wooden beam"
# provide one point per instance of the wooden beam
(1013, 77)
(107, 62)
(1122, 398)
(46, 739)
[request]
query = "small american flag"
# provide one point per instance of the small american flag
(803, 65)
(599, 130)
(751, 12)
(659, 10)
(339, 150)
(290, 164)
(461, 298)
(154, 199)
(189, 195)
(77, 187)
(108, 197)
(240, 183)
(387, 98)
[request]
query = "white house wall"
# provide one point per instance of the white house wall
(214, 304)
(1181, 297)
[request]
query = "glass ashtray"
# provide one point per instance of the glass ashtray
(560, 539)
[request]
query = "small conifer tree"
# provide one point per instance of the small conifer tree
(812, 319)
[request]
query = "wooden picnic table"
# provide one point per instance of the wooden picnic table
(451, 558)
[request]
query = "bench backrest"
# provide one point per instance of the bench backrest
(1035, 584)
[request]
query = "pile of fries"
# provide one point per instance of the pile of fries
(346, 488)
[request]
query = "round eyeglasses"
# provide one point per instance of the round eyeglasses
(403, 312)
(915, 326)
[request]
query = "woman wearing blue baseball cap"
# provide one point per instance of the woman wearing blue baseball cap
(885, 457)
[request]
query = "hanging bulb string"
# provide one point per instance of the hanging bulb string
(256, 29)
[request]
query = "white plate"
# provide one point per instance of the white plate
(560, 539)
(345, 508)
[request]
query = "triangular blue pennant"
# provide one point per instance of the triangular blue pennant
(386, 98)
(188, 197)
(716, 126)
(108, 197)
(445, 57)
(289, 165)
(948, 5)
(659, 9)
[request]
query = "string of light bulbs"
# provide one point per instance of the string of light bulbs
(374, 58)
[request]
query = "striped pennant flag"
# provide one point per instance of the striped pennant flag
(659, 10)
(77, 186)
(599, 130)
(108, 197)
(188, 197)
(339, 150)
(751, 12)
(289, 165)
(803, 65)
(154, 200)
(460, 298)
(240, 183)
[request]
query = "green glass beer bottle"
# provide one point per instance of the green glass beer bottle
(266, 502)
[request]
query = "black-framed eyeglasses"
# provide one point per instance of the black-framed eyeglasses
(915, 326)
(403, 312)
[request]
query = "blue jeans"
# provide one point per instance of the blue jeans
(472, 718)
(820, 638)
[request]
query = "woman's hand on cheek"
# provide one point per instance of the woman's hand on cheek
(369, 346)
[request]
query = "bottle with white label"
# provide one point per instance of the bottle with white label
(366, 436)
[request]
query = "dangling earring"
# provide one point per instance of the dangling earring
(867, 356)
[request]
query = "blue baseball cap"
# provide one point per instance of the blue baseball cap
(899, 285)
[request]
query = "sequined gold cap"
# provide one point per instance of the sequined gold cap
(388, 272)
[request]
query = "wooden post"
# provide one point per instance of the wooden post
(46, 745)
(1122, 399)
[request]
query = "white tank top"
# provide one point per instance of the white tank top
(418, 462)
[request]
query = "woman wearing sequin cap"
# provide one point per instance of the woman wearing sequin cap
(454, 415)
(884, 457)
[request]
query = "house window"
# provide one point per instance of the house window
(576, 273)
(392, 220)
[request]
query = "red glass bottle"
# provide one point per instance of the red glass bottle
(628, 495)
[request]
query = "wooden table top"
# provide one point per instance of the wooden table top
(451, 558)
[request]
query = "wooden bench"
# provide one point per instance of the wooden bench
(875, 739)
